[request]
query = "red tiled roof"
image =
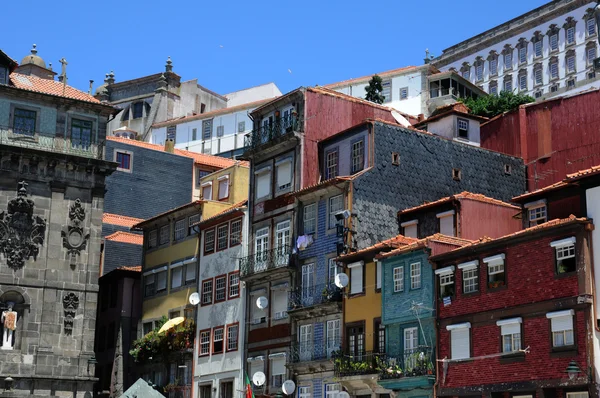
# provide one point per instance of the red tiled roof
(392, 243)
(199, 158)
(367, 78)
(136, 268)
(140, 224)
(556, 185)
(126, 237)
(583, 173)
(123, 221)
(51, 87)
(421, 243)
(458, 108)
(230, 209)
(463, 195)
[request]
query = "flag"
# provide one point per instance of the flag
(249, 392)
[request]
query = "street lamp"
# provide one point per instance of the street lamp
(573, 370)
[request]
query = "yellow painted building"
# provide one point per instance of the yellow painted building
(228, 185)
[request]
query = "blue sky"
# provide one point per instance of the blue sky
(230, 45)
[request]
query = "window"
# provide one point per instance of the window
(590, 25)
(508, 60)
(235, 233)
(258, 315)
(277, 371)
(310, 219)
(565, 255)
(446, 276)
(207, 129)
(201, 174)
(554, 42)
(523, 54)
(149, 284)
(570, 83)
(209, 241)
(356, 277)
(456, 174)
(404, 93)
(174, 314)
(395, 158)
(226, 390)
(570, 64)
(284, 174)
(470, 275)
(223, 187)
(190, 271)
(410, 228)
(561, 323)
(146, 328)
(222, 236)
(508, 84)
(81, 133)
(193, 219)
(554, 69)
(180, 229)
(205, 391)
(415, 276)
(538, 77)
(24, 122)
(261, 245)
(220, 288)
(591, 75)
(279, 303)
(494, 66)
(207, 291)
(411, 344)
(554, 88)
(333, 270)
(164, 234)
(398, 279)
(232, 337)
(234, 285)
(460, 340)
(220, 131)
(161, 281)
(479, 71)
(138, 110)
(380, 337)
(152, 236)
(358, 156)
(510, 330)
(304, 392)
(194, 134)
(537, 214)
(171, 132)
(336, 204)
(241, 126)
(463, 128)
(583, 394)
(493, 88)
(332, 390)
(537, 48)
(331, 166)
(523, 81)
(570, 35)
(387, 90)
(124, 160)
(591, 54)
(176, 275)
(263, 183)
(496, 274)
(446, 223)
(466, 73)
(218, 340)
(207, 191)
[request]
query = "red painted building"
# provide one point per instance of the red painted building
(554, 137)
(515, 315)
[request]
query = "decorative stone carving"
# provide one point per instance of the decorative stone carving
(21, 233)
(74, 236)
(70, 305)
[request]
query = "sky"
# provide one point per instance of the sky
(232, 45)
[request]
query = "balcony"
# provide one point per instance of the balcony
(267, 260)
(413, 363)
(271, 133)
(311, 296)
(49, 142)
(309, 351)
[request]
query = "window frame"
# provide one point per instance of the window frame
(449, 280)
(460, 120)
(414, 278)
(218, 237)
(264, 170)
(331, 214)
(405, 95)
(328, 167)
(230, 285)
(560, 314)
(152, 239)
(213, 340)
(167, 228)
(398, 279)
(507, 322)
(183, 230)
(353, 156)
(220, 180)
(227, 336)
(313, 220)
(209, 232)
(496, 265)
(567, 245)
(457, 327)
(225, 279)
(204, 292)
(207, 124)
(129, 154)
(538, 220)
(237, 242)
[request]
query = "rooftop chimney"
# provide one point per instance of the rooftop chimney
(170, 145)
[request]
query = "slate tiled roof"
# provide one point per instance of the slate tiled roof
(126, 237)
(367, 78)
(459, 196)
(396, 241)
(227, 211)
(51, 87)
(123, 221)
(422, 243)
(144, 222)
(199, 158)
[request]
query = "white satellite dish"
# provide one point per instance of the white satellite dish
(401, 121)
(194, 298)
(288, 387)
(259, 379)
(341, 280)
(343, 394)
(262, 302)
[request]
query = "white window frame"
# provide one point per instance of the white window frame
(403, 93)
(447, 214)
(538, 76)
(204, 342)
(310, 218)
(523, 54)
(462, 125)
(357, 267)
(180, 229)
(508, 60)
(470, 267)
(205, 186)
(387, 88)
(591, 57)
(554, 73)
(338, 200)
(220, 181)
(578, 394)
(287, 186)
(571, 64)
(567, 316)
(332, 390)
(398, 276)
(415, 276)
(409, 227)
(446, 276)
(511, 328)
(460, 328)
(260, 174)
(537, 213)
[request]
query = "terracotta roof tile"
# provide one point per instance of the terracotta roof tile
(230, 209)
(463, 195)
(392, 243)
(556, 185)
(583, 173)
(367, 78)
(126, 237)
(123, 221)
(421, 243)
(199, 158)
(321, 184)
(47, 86)
(136, 268)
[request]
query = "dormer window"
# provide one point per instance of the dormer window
(462, 128)
(565, 255)
(410, 228)
(536, 213)
(446, 223)
(496, 271)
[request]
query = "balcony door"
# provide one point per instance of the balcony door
(282, 241)
(333, 337)
(411, 344)
(355, 341)
(261, 248)
(81, 134)
(308, 272)
(306, 348)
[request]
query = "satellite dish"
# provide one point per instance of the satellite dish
(288, 387)
(343, 394)
(262, 302)
(194, 298)
(259, 379)
(402, 121)
(341, 280)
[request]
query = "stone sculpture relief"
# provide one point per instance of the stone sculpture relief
(74, 236)
(70, 305)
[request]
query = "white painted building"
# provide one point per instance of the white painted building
(252, 94)
(219, 371)
(543, 53)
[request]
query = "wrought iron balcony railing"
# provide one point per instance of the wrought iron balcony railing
(78, 146)
(308, 296)
(306, 351)
(265, 260)
(413, 363)
(269, 132)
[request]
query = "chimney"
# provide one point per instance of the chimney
(170, 145)
(421, 117)
(91, 85)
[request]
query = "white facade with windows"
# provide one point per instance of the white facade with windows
(541, 59)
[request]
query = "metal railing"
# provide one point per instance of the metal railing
(265, 260)
(306, 351)
(308, 296)
(271, 131)
(413, 363)
(50, 142)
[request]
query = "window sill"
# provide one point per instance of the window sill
(356, 295)
(513, 358)
(471, 294)
(497, 289)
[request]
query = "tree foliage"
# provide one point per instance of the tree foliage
(492, 105)
(374, 90)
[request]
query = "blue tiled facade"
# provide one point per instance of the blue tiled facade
(409, 309)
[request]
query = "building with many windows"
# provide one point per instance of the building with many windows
(544, 52)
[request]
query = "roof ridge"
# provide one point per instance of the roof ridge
(50, 87)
